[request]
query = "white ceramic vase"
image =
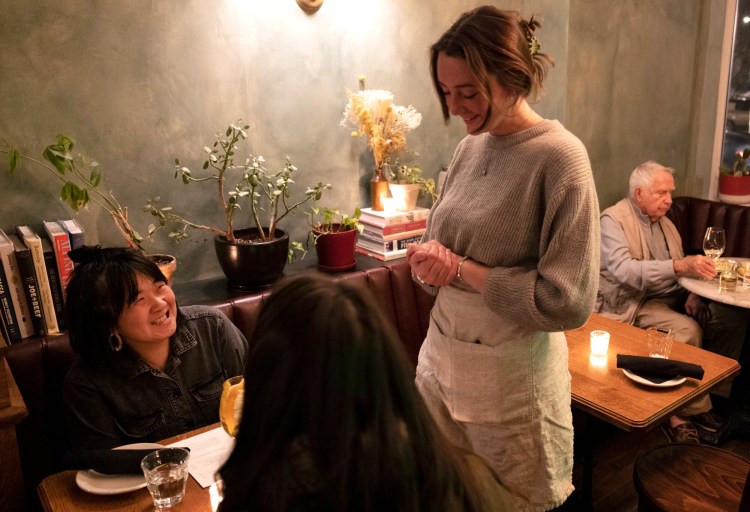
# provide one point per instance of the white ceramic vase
(404, 196)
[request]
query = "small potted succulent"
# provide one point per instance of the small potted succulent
(253, 257)
(335, 236)
(405, 185)
(81, 184)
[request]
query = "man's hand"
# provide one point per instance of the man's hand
(697, 310)
(699, 267)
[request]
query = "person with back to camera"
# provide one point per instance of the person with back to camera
(641, 259)
(146, 369)
(512, 252)
(332, 421)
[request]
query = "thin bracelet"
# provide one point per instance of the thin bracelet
(460, 264)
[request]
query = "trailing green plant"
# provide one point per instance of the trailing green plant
(410, 175)
(268, 193)
(327, 220)
(82, 183)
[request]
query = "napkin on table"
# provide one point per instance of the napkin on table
(110, 462)
(659, 370)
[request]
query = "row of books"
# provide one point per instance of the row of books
(387, 234)
(34, 271)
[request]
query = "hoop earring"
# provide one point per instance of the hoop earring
(115, 342)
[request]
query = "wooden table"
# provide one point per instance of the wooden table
(59, 492)
(602, 390)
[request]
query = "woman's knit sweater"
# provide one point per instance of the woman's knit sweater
(525, 205)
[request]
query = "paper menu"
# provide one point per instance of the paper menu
(208, 451)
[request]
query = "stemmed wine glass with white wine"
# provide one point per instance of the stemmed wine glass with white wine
(230, 406)
(713, 243)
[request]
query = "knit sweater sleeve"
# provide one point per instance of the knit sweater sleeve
(559, 292)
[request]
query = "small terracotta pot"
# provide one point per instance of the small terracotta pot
(335, 249)
(167, 264)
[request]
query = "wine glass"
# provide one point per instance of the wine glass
(230, 406)
(713, 243)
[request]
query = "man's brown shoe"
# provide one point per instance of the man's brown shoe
(682, 433)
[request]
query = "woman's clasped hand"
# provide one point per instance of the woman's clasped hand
(433, 263)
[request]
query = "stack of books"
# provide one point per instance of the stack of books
(34, 270)
(387, 234)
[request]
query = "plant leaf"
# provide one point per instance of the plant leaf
(96, 175)
(13, 159)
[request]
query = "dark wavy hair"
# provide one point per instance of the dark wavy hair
(104, 282)
(495, 43)
(327, 367)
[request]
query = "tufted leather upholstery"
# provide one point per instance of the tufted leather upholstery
(693, 215)
(39, 365)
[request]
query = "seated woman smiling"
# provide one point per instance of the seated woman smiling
(146, 369)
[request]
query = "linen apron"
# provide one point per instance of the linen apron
(502, 391)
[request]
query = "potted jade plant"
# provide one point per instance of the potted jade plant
(734, 184)
(252, 257)
(82, 183)
(406, 183)
(335, 236)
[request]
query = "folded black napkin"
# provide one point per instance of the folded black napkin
(659, 370)
(110, 462)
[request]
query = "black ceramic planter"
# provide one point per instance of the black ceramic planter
(252, 266)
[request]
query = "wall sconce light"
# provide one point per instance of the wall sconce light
(310, 6)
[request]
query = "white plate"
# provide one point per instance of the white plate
(98, 483)
(640, 380)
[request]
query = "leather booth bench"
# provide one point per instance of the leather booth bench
(692, 215)
(39, 365)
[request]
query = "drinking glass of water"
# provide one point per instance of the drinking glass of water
(659, 342)
(166, 473)
(714, 243)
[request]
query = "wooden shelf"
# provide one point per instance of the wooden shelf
(215, 290)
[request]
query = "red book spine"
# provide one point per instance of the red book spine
(64, 263)
(399, 228)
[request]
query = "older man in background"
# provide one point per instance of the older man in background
(641, 259)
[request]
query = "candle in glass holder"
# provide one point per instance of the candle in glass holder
(599, 343)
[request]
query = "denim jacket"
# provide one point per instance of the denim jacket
(123, 400)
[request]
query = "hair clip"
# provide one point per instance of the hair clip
(529, 27)
(534, 45)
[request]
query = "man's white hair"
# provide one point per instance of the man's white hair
(643, 176)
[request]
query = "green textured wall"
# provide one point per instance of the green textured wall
(139, 83)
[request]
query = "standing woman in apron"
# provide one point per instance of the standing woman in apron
(512, 252)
